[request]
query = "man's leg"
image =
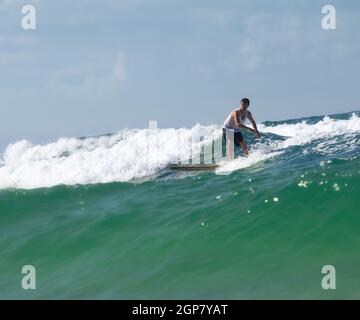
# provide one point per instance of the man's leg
(244, 147)
(240, 142)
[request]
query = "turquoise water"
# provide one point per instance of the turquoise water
(263, 230)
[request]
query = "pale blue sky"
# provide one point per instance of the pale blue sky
(95, 67)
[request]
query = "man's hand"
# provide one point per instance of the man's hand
(251, 118)
(247, 128)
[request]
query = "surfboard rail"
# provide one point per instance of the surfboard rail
(193, 167)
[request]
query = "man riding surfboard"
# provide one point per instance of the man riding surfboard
(236, 122)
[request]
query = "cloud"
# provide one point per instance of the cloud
(99, 69)
(264, 41)
(77, 73)
(18, 3)
(96, 79)
(119, 68)
(215, 16)
(14, 59)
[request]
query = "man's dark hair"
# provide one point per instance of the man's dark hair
(245, 101)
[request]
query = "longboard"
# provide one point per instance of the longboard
(193, 167)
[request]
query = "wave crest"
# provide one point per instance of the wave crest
(133, 154)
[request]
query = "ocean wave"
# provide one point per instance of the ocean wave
(134, 154)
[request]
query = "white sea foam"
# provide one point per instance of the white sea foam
(127, 155)
(255, 157)
(300, 133)
(303, 133)
(133, 154)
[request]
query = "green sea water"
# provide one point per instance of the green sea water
(264, 231)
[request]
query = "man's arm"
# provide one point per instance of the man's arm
(241, 126)
(251, 118)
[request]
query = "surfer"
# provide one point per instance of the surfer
(236, 122)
